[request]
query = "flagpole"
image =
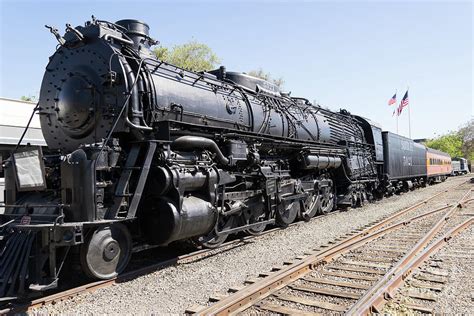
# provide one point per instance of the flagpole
(396, 91)
(396, 107)
(397, 118)
(409, 117)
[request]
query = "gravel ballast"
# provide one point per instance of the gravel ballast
(173, 289)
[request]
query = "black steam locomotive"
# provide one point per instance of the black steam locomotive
(144, 152)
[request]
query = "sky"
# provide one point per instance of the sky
(342, 54)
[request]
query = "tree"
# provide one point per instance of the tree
(193, 56)
(457, 144)
(29, 98)
(450, 143)
(259, 73)
(467, 134)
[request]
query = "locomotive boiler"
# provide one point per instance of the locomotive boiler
(144, 152)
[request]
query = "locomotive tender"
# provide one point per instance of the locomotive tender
(144, 152)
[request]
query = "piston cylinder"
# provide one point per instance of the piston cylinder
(162, 223)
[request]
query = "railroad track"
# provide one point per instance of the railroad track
(446, 277)
(186, 258)
(180, 259)
(356, 275)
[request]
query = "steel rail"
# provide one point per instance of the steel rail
(255, 292)
(89, 287)
(387, 290)
(363, 305)
(60, 296)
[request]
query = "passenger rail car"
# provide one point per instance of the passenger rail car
(438, 165)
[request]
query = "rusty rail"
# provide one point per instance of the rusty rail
(253, 293)
(89, 287)
(387, 290)
(374, 297)
(132, 274)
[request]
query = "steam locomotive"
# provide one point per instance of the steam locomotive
(144, 152)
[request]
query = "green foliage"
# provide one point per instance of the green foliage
(259, 73)
(450, 143)
(467, 134)
(458, 144)
(193, 56)
(29, 98)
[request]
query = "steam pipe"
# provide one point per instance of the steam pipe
(194, 142)
(134, 100)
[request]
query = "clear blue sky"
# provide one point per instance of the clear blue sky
(351, 55)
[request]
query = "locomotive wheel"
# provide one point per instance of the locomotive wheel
(106, 252)
(255, 231)
(326, 199)
(213, 241)
(309, 207)
(286, 216)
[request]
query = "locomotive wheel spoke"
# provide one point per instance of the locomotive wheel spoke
(255, 231)
(326, 204)
(310, 206)
(286, 216)
(211, 240)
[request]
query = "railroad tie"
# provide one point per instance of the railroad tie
(392, 250)
(421, 285)
(350, 276)
(217, 297)
(421, 296)
(431, 278)
(236, 288)
(196, 308)
(285, 310)
(311, 302)
(437, 273)
(336, 283)
(277, 268)
(356, 269)
(288, 263)
(419, 308)
(365, 264)
(327, 292)
(251, 280)
(371, 259)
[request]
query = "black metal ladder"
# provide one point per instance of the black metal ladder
(123, 208)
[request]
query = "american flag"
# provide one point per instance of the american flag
(393, 99)
(404, 101)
